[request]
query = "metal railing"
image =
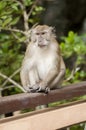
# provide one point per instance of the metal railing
(31, 100)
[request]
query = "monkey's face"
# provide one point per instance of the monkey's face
(41, 35)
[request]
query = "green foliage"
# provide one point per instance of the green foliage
(75, 46)
(9, 54)
(8, 11)
(77, 127)
(12, 42)
(12, 11)
(35, 12)
(28, 2)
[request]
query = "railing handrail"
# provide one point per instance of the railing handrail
(31, 100)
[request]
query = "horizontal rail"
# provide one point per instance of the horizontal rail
(48, 119)
(31, 100)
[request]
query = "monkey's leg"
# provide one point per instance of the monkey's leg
(60, 76)
(34, 79)
(58, 80)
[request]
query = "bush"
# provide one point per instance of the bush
(74, 51)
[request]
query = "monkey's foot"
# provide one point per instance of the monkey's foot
(46, 90)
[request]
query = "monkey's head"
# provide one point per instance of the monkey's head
(41, 35)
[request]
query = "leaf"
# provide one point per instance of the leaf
(28, 2)
(4, 17)
(31, 20)
(2, 5)
(15, 6)
(0, 22)
(38, 8)
(7, 21)
(71, 34)
(77, 48)
(15, 21)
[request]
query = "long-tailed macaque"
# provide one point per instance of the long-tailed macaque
(43, 67)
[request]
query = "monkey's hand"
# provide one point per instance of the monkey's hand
(43, 87)
(34, 88)
(39, 87)
(30, 88)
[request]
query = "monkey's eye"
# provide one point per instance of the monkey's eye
(37, 33)
(43, 33)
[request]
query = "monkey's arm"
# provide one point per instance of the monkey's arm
(24, 78)
(24, 75)
(59, 78)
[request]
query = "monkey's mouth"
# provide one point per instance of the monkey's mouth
(41, 45)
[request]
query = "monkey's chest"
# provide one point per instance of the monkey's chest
(44, 65)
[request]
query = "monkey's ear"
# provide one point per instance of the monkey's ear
(34, 26)
(52, 29)
(31, 32)
(32, 35)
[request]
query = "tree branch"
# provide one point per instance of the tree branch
(7, 87)
(73, 72)
(25, 15)
(12, 81)
(11, 76)
(16, 37)
(33, 6)
(13, 30)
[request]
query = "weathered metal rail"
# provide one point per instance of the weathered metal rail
(31, 100)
